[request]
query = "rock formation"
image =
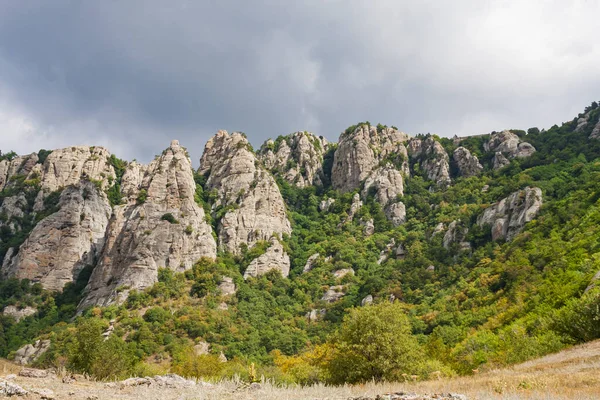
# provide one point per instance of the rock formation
(432, 158)
(275, 258)
(467, 163)
(30, 353)
(18, 313)
(310, 262)
(509, 144)
(246, 194)
(509, 216)
(333, 294)
(499, 161)
(456, 233)
(159, 226)
(361, 151)
(596, 131)
(65, 242)
(298, 158)
(227, 287)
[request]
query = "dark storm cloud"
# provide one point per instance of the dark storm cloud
(133, 75)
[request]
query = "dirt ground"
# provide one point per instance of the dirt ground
(570, 374)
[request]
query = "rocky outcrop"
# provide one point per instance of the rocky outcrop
(596, 131)
(456, 233)
(227, 286)
(509, 216)
(159, 226)
(387, 183)
(324, 205)
(254, 208)
(18, 313)
(31, 353)
(333, 294)
(361, 151)
(368, 300)
(298, 158)
(385, 253)
(315, 315)
(432, 158)
(396, 213)
(310, 263)
(275, 258)
(340, 273)
(499, 161)
(509, 144)
(65, 242)
(467, 163)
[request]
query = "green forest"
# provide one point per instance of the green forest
(436, 310)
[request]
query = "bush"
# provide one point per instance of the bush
(170, 218)
(374, 343)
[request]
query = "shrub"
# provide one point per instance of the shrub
(170, 218)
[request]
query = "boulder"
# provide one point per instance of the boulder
(31, 353)
(340, 273)
(18, 313)
(227, 286)
(315, 315)
(333, 294)
(275, 258)
(367, 301)
(324, 205)
(456, 234)
(10, 389)
(396, 213)
(33, 373)
(310, 263)
(509, 216)
(509, 144)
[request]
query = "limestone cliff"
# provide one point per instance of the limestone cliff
(65, 242)
(297, 158)
(247, 201)
(160, 225)
(432, 159)
(364, 149)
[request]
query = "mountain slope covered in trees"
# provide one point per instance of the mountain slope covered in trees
(405, 255)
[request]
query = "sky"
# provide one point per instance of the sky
(133, 75)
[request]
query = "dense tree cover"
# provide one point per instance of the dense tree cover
(497, 304)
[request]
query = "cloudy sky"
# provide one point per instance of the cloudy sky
(132, 75)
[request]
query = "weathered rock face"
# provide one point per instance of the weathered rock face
(274, 259)
(509, 144)
(433, 159)
(333, 294)
(456, 234)
(467, 163)
(500, 161)
(30, 353)
(255, 208)
(18, 313)
(21, 165)
(159, 226)
(227, 287)
(509, 216)
(298, 158)
(310, 262)
(62, 244)
(595, 132)
(361, 151)
(396, 213)
(387, 182)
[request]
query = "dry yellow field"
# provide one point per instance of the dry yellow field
(570, 374)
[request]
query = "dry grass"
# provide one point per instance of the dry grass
(571, 374)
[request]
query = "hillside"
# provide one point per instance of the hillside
(381, 256)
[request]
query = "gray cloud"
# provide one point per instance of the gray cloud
(133, 75)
